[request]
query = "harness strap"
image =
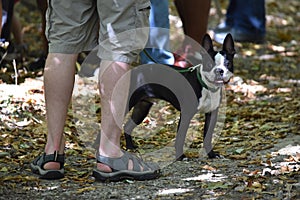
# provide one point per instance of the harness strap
(189, 69)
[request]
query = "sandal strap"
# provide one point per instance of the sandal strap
(117, 164)
(55, 157)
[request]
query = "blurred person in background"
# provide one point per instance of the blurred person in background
(245, 20)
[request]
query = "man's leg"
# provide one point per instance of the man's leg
(63, 17)
(122, 36)
(112, 109)
(125, 39)
(58, 82)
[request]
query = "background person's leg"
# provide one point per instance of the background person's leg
(245, 20)
(159, 38)
(194, 16)
(250, 16)
(8, 8)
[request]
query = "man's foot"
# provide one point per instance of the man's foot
(127, 166)
(49, 166)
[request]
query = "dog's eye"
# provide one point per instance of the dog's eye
(222, 52)
(226, 63)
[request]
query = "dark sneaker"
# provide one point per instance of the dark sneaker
(16, 52)
(223, 27)
(38, 64)
(238, 35)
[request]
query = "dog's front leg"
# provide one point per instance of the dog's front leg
(210, 124)
(140, 111)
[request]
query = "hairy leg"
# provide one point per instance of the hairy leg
(58, 82)
(113, 102)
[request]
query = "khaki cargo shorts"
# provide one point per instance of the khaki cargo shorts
(118, 28)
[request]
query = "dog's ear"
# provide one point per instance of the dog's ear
(207, 43)
(228, 44)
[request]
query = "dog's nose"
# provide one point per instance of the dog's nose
(219, 71)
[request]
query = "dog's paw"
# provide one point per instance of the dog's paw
(131, 146)
(181, 158)
(213, 155)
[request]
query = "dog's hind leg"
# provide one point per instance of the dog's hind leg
(140, 111)
(183, 126)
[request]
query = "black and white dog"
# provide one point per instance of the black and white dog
(201, 94)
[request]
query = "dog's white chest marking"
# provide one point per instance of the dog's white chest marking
(209, 101)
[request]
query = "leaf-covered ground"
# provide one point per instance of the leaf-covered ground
(260, 140)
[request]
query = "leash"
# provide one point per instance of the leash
(189, 69)
(149, 56)
(199, 77)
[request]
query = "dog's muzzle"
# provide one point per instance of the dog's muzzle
(222, 75)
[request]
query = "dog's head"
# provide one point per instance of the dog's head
(221, 71)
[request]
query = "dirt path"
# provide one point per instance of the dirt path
(192, 179)
(272, 172)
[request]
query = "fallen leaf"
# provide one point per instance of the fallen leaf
(4, 169)
(210, 168)
(86, 189)
(3, 154)
(256, 184)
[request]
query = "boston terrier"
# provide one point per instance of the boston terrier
(201, 94)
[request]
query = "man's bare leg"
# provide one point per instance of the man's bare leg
(112, 109)
(59, 79)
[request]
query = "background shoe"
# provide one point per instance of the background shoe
(238, 35)
(38, 64)
(223, 27)
(16, 51)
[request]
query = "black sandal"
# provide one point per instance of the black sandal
(141, 170)
(37, 166)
